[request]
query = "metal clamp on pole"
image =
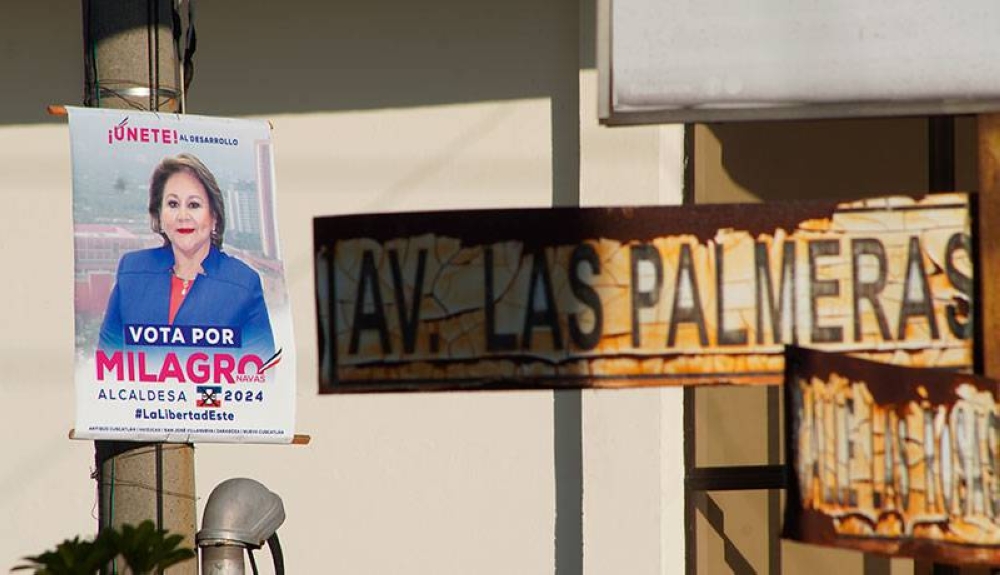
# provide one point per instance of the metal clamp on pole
(240, 514)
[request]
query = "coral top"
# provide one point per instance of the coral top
(178, 290)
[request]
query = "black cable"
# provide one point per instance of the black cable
(253, 562)
(279, 560)
(176, 31)
(89, 56)
(151, 80)
(154, 100)
(941, 153)
(159, 489)
(191, 45)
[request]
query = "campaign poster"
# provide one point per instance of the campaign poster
(183, 323)
(892, 460)
(638, 296)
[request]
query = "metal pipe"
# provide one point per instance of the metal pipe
(222, 560)
(240, 514)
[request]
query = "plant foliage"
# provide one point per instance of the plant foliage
(144, 549)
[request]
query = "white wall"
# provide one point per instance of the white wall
(481, 105)
(46, 493)
(633, 439)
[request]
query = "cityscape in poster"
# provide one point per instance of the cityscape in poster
(638, 296)
(183, 325)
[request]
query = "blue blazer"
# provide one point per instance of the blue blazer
(227, 294)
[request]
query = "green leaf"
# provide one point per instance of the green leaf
(144, 549)
(71, 557)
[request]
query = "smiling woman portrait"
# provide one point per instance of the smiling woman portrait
(189, 281)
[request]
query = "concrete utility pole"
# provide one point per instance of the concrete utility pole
(131, 62)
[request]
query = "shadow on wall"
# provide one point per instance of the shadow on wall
(831, 159)
(257, 57)
(841, 159)
(42, 47)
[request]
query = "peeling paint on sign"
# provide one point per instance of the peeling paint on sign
(619, 297)
(893, 460)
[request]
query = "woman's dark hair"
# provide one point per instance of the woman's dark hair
(186, 163)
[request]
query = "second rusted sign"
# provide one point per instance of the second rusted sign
(892, 460)
(617, 297)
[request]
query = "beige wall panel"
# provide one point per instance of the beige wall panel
(46, 493)
(799, 558)
(633, 440)
(452, 483)
(730, 427)
(730, 533)
(618, 166)
(455, 483)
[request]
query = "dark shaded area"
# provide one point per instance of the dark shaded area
(876, 565)
(842, 158)
(737, 478)
(259, 58)
(941, 153)
(543, 227)
(567, 419)
(377, 54)
(832, 158)
(42, 64)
